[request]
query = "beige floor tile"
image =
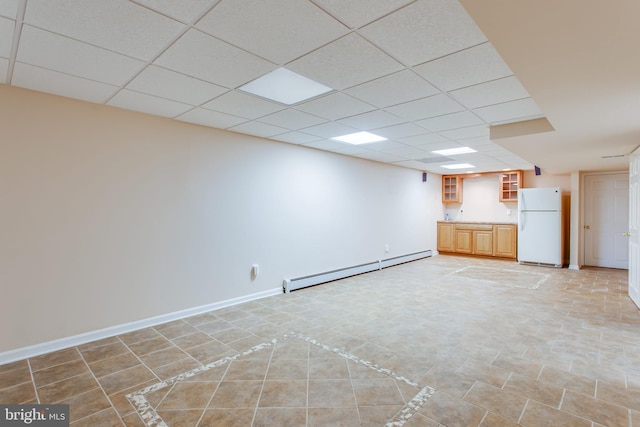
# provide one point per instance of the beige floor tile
(237, 394)
(336, 417)
(17, 373)
(188, 395)
(495, 400)
(55, 358)
(106, 418)
(62, 390)
(331, 393)
(537, 390)
(596, 410)
(540, 415)
(291, 417)
(126, 378)
(17, 394)
(227, 418)
(452, 412)
(94, 354)
(114, 364)
(284, 394)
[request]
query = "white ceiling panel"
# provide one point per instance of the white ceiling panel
(117, 25)
(168, 84)
(297, 138)
(48, 50)
(425, 108)
(292, 119)
(346, 62)
(425, 30)
(399, 131)
(334, 106)
(426, 138)
(200, 55)
(379, 156)
(204, 117)
(243, 105)
(466, 132)
(329, 130)
(490, 93)
(371, 120)
(327, 145)
(509, 111)
(136, 101)
(450, 121)
(6, 36)
(43, 80)
(4, 65)
(9, 8)
(356, 13)
(468, 67)
(396, 88)
(183, 10)
(258, 129)
(277, 30)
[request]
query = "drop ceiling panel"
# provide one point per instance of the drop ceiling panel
(467, 132)
(117, 25)
(396, 88)
(183, 10)
(43, 80)
(202, 116)
(48, 50)
(509, 111)
(329, 130)
(168, 84)
(278, 30)
(335, 106)
(297, 138)
(373, 119)
(356, 13)
(136, 101)
(425, 108)
(450, 121)
(292, 119)
(327, 145)
(426, 138)
(468, 67)
(6, 36)
(379, 156)
(258, 129)
(9, 8)
(4, 64)
(243, 105)
(341, 64)
(199, 55)
(425, 30)
(399, 131)
(490, 93)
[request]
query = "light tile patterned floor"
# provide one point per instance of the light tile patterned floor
(498, 347)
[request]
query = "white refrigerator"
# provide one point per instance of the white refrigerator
(540, 226)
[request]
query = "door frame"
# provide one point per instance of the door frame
(583, 207)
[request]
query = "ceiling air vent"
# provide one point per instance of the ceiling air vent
(613, 156)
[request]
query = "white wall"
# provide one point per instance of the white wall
(110, 216)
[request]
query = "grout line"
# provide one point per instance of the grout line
(264, 381)
(33, 381)
(523, 411)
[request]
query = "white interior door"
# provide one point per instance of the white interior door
(634, 228)
(606, 220)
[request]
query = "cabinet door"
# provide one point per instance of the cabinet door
(483, 242)
(505, 240)
(445, 238)
(463, 241)
(451, 189)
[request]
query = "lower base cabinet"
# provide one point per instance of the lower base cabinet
(485, 239)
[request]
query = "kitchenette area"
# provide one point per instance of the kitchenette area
(484, 216)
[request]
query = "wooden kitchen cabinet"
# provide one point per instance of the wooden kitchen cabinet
(451, 189)
(510, 182)
(485, 239)
(505, 240)
(446, 237)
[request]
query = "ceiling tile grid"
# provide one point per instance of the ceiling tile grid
(418, 72)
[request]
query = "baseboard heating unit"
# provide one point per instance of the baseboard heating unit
(289, 285)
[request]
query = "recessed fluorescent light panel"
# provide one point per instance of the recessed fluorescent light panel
(360, 138)
(459, 166)
(285, 86)
(454, 151)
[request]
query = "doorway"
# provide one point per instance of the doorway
(606, 220)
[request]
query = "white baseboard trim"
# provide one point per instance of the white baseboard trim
(574, 267)
(75, 340)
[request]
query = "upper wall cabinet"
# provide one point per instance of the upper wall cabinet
(509, 184)
(451, 189)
